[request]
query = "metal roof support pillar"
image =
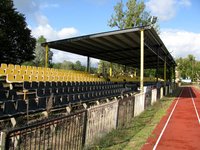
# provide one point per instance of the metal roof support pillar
(165, 71)
(141, 60)
(125, 68)
(170, 74)
(88, 64)
(46, 55)
(111, 68)
(174, 70)
(157, 67)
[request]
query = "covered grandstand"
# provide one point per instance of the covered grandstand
(82, 105)
(137, 47)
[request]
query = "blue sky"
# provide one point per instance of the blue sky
(179, 21)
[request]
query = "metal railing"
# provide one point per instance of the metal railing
(60, 133)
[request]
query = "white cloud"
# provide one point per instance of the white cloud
(166, 9)
(48, 5)
(181, 43)
(40, 19)
(60, 56)
(33, 10)
(67, 32)
(51, 34)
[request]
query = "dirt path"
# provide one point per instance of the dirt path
(180, 128)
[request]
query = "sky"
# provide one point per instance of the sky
(178, 19)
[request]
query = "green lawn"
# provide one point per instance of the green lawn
(135, 134)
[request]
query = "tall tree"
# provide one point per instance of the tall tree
(40, 53)
(133, 15)
(16, 43)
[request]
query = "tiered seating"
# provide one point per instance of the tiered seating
(56, 95)
(19, 74)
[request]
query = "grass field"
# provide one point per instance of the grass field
(134, 135)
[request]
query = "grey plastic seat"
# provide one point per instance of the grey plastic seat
(21, 106)
(9, 108)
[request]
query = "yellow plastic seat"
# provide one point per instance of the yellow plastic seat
(2, 72)
(22, 72)
(40, 78)
(46, 73)
(4, 66)
(9, 71)
(29, 67)
(41, 72)
(17, 67)
(46, 78)
(23, 67)
(10, 78)
(34, 68)
(18, 78)
(16, 71)
(33, 78)
(29, 72)
(35, 72)
(39, 68)
(26, 77)
(11, 66)
(51, 78)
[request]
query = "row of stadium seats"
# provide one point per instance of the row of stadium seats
(18, 74)
(130, 79)
(11, 78)
(35, 85)
(10, 108)
(6, 95)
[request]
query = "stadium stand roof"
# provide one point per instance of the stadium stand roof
(120, 46)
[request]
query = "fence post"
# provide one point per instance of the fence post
(2, 140)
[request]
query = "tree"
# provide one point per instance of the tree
(16, 43)
(104, 68)
(40, 53)
(188, 67)
(133, 15)
(78, 66)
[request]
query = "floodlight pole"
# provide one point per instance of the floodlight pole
(141, 60)
(46, 55)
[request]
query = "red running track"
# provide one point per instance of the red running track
(180, 128)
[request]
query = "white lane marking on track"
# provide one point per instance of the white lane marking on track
(194, 106)
(158, 140)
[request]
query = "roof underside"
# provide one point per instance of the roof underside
(121, 46)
